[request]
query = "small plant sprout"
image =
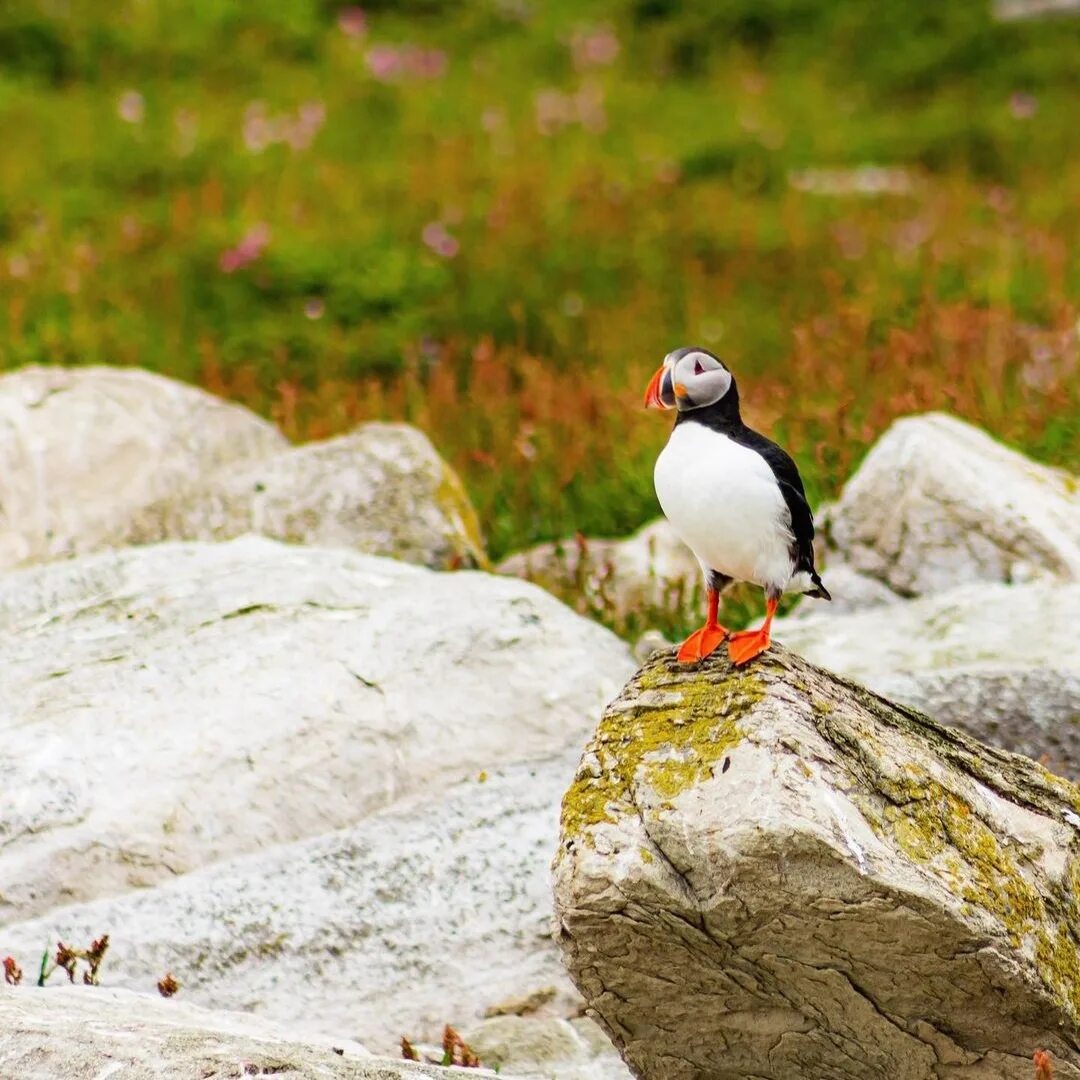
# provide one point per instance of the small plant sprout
(167, 985)
(68, 959)
(12, 971)
(455, 1051)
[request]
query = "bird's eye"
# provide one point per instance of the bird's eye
(698, 369)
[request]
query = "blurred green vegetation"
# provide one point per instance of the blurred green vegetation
(494, 217)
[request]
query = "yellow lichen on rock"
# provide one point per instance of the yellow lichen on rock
(667, 730)
(854, 854)
(452, 499)
(936, 826)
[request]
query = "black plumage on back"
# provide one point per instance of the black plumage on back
(724, 416)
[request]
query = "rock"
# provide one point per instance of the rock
(939, 503)
(1010, 10)
(168, 706)
(524, 1004)
(79, 1032)
(1000, 661)
(772, 872)
(633, 581)
(648, 643)
(549, 1048)
(424, 914)
(81, 448)
(104, 457)
(381, 489)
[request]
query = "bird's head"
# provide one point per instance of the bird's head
(689, 378)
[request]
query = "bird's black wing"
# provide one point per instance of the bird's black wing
(791, 487)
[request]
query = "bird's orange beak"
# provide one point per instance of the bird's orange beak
(660, 394)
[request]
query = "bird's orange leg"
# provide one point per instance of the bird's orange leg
(746, 644)
(703, 642)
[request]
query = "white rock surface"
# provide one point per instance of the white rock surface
(652, 572)
(424, 914)
(547, 1048)
(768, 872)
(381, 489)
(84, 1033)
(81, 448)
(1000, 661)
(168, 706)
(850, 590)
(938, 503)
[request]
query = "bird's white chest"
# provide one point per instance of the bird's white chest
(724, 502)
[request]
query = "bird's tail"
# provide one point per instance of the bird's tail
(819, 591)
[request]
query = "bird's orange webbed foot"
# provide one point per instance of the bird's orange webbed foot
(701, 643)
(746, 644)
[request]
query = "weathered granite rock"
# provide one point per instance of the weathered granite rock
(84, 1033)
(81, 448)
(381, 489)
(938, 503)
(549, 1048)
(426, 913)
(1000, 661)
(652, 572)
(771, 872)
(168, 706)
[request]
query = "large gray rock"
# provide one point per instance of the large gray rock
(629, 583)
(1000, 661)
(771, 872)
(430, 912)
(83, 1033)
(81, 448)
(381, 489)
(168, 706)
(938, 503)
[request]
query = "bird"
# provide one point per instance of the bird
(734, 498)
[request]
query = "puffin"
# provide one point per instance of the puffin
(734, 498)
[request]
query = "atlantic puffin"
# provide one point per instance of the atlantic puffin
(734, 497)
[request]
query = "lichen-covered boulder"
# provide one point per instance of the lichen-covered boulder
(771, 872)
(430, 912)
(81, 448)
(630, 582)
(92, 1033)
(938, 503)
(164, 707)
(1000, 661)
(381, 489)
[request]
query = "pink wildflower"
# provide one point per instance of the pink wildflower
(439, 240)
(352, 21)
(130, 107)
(594, 47)
(248, 250)
(383, 61)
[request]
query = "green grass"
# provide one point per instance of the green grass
(592, 214)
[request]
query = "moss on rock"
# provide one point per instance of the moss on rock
(940, 828)
(453, 501)
(971, 877)
(668, 729)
